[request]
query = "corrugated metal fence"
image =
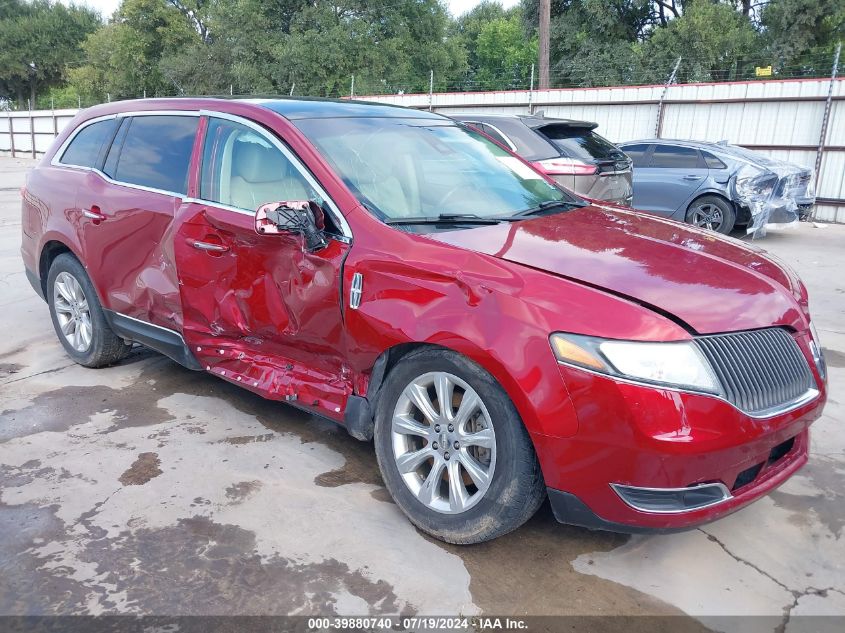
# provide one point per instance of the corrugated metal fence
(783, 119)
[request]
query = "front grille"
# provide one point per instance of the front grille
(759, 369)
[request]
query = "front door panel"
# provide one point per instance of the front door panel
(260, 310)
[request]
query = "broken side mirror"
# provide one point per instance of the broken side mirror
(304, 217)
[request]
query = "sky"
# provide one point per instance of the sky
(456, 7)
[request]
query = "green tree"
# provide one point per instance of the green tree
(802, 34)
(714, 40)
(123, 57)
(388, 46)
(467, 27)
(503, 53)
(37, 42)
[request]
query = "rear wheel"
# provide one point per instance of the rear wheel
(453, 451)
(713, 213)
(78, 317)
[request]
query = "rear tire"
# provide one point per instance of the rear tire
(477, 475)
(713, 213)
(78, 317)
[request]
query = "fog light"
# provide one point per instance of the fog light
(665, 500)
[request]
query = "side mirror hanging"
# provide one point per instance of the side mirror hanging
(304, 217)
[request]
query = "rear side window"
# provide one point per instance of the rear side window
(669, 156)
(490, 131)
(712, 162)
(581, 143)
(637, 153)
(84, 149)
(156, 152)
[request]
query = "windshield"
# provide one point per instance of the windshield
(412, 168)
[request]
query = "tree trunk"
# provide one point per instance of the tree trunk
(545, 21)
(32, 94)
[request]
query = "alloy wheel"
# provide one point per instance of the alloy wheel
(443, 442)
(72, 311)
(708, 216)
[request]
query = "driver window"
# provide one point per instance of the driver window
(241, 168)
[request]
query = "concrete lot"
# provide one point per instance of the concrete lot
(147, 488)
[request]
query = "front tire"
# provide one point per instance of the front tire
(453, 451)
(713, 213)
(78, 318)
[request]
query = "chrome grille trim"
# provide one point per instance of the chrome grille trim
(762, 372)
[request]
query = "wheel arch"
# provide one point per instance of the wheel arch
(715, 193)
(49, 252)
(361, 406)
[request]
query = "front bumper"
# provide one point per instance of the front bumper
(646, 437)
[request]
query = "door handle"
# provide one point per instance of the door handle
(692, 177)
(94, 214)
(208, 247)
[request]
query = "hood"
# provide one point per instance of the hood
(709, 282)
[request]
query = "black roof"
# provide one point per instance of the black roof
(316, 108)
(531, 120)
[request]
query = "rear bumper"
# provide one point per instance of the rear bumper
(35, 282)
(649, 438)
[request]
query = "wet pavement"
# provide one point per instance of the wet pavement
(148, 488)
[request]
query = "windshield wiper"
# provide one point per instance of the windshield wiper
(448, 218)
(551, 205)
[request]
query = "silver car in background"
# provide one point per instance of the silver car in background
(716, 185)
(569, 151)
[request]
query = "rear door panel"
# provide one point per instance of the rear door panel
(126, 251)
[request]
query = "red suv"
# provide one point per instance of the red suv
(501, 340)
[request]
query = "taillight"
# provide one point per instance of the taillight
(565, 167)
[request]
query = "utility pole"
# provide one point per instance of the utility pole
(545, 20)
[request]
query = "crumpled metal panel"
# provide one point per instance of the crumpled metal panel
(778, 205)
(265, 311)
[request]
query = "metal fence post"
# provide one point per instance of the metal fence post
(431, 91)
(11, 135)
(32, 130)
(658, 129)
(826, 120)
(531, 92)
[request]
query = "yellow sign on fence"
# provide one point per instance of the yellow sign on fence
(763, 71)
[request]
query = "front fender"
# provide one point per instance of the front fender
(507, 337)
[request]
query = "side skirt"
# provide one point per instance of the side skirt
(161, 339)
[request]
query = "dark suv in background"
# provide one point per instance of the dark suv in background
(568, 151)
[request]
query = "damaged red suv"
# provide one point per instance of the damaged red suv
(501, 340)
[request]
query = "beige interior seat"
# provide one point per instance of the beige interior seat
(262, 174)
(384, 179)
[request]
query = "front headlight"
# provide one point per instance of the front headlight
(816, 350)
(676, 364)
